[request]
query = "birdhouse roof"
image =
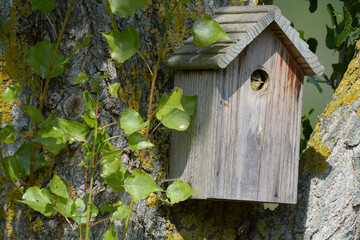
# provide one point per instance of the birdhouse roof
(243, 24)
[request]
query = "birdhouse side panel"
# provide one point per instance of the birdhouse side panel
(192, 151)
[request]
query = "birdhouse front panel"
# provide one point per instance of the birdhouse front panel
(243, 142)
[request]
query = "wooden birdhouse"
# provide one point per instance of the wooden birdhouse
(243, 141)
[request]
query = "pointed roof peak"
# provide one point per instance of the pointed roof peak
(243, 24)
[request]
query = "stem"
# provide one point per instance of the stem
(118, 136)
(108, 125)
(80, 232)
(123, 235)
(88, 215)
(102, 220)
(42, 97)
(154, 77)
(70, 223)
(153, 81)
(147, 65)
(44, 90)
(52, 26)
(88, 211)
(85, 178)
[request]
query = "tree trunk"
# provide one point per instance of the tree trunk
(329, 184)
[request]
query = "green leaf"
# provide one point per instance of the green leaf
(11, 92)
(113, 89)
(78, 211)
(58, 187)
(177, 120)
(126, 7)
(313, 43)
(5, 135)
(114, 174)
(23, 156)
(45, 6)
(34, 113)
(82, 78)
(55, 132)
(180, 120)
(179, 191)
(121, 213)
(84, 43)
(39, 58)
(313, 6)
(110, 234)
(306, 117)
(62, 205)
(346, 31)
(111, 207)
(173, 102)
(122, 45)
(138, 142)
(330, 38)
(79, 208)
(131, 121)
(207, 31)
(140, 185)
(111, 167)
(38, 199)
(88, 120)
(314, 81)
(11, 167)
(90, 104)
(109, 155)
(332, 14)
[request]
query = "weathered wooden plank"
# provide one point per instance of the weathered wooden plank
(236, 27)
(243, 9)
(192, 151)
(238, 18)
(212, 49)
(234, 38)
(200, 61)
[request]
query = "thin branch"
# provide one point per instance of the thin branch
(51, 24)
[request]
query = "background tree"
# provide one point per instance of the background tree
(329, 179)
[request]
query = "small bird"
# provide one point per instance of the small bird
(256, 80)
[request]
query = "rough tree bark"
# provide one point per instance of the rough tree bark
(329, 193)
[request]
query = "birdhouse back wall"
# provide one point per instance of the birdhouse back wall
(243, 144)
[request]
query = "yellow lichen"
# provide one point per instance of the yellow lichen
(27, 134)
(37, 225)
(153, 200)
(10, 198)
(316, 154)
(71, 190)
(348, 90)
(13, 68)
(131, 95)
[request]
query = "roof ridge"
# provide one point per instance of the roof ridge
(245, 28)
